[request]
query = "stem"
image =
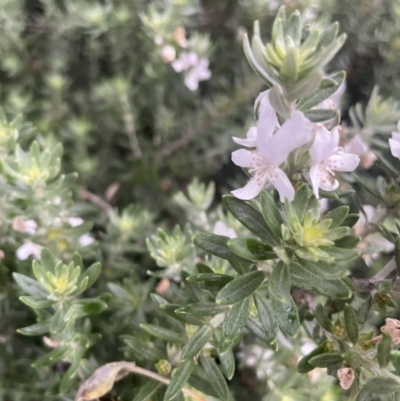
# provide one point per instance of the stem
(130, 125)
(368, 284)
(96, 200)
(162, 379)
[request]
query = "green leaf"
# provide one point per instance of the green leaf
(363, 310)
(304, 279)
(341, 254)
(93, 273)
(351, 220)
(348, 241)
(381, 385)
(337, 215)
(143, 350)
(251, 218)
(300, 202)
(227, 364)
(89, 306)
(384, 348)
(279, 282)
(304, 366)
(202, 268)
(47, 260)
(337, 194)
(210, 281)
(395, 359)
(240, 288)
(147, 390)
(193, 291)
(293, 28)
(201, 309)
(50, 358)
(234, 323)
(267, 317)
(217, 245)
(351, 324)
(253, 62)
(170, 309)
(326, 359)
(271, 214)
(321, 115)
(196, 343)
(163, 333)
(327, 87)
(287, 315)
(215, 376)
(322, 269)
(179, 379)
(32, 287)
(37, 329)
(251, 249)
(36, 302)
(323, 318)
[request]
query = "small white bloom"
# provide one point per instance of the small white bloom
(168, 54)
(29, 249)
(75, 221)
(360, 148)
(394, 142)
(24, 226)
(185, 61)
(346, 377)
(272, 149)
(85, 240)
(199, 72)
(221, 228)
(158, 40)
(327, 157)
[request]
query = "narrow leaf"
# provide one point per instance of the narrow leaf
(216, 377)
(179, 379)
(240, 288)
(196, 343)
(163, 333)
(279, 282)
(351, 324)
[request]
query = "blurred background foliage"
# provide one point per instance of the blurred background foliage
(98, 76)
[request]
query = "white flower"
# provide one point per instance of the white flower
(221, 228)
(327, 157)
(24, 226)
(185, 61)
(272, 149)
(333, 101)
(85, 240)
(360, 148)
(168, 54)
(346, 377)
(394, 142)
(199, 72)
(75, 221)
(29, 249)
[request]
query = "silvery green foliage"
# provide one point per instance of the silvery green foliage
(132, 266)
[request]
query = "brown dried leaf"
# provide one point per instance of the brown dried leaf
(102, 380)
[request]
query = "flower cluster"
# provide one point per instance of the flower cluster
(274, 143)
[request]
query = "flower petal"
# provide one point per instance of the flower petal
(246, 158)
(343, 162)
(293, 134)
(315, 178)
(324, 144)
(283, 185)
(250, 190)
(394, 147)
(251, 138)
(267, 120)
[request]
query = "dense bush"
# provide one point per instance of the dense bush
(127, 269)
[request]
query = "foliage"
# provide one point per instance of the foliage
(122, 252)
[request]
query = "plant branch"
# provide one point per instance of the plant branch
(130, 125)
(368, 284)
(162, 379)
(96, 200)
